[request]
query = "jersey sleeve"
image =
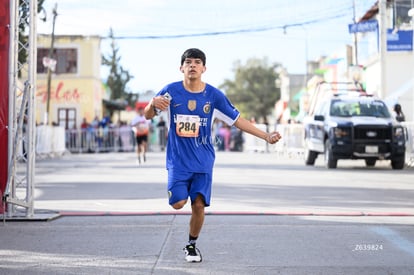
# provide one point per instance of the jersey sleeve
(224, 109)
(165, 89)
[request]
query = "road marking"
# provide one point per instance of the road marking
(395, 238)
(230, 213)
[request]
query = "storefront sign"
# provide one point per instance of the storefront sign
(399, 40)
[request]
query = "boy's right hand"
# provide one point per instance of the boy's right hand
(160, 102)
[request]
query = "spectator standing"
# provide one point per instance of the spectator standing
(224, 132)
(84, 131)
(95, 124)
(105, 125)
(398, 113)
(162, 133)
(125, 137)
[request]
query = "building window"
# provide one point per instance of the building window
(66, 60)
(67, 118)
(401, 20)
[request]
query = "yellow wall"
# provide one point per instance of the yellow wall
(85, 95)
(82, 90)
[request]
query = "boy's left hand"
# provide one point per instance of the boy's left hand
(274, 137)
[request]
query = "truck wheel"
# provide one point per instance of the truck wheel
(370, 162)
(310, 157)
(398, 163)
(330, 161)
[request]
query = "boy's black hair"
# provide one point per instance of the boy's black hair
(193, 53)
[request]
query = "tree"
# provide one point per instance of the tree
(253, 89)
(118, 77)
(24, 10)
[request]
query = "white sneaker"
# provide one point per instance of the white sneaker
(192, 254)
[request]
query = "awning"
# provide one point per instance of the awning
(139, 105)
(115, 104)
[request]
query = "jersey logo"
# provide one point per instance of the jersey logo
(207, 108)
(192, 104)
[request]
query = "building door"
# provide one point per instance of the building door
(67, 117)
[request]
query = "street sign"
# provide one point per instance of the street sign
(364, 26)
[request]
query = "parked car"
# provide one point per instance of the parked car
(353, 125)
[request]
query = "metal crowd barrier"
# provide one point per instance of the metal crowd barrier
(122, 140)
(291, 144)
(409, 155)
(96, 140)
(254, 144)
(50, 141)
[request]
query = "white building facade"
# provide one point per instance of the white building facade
(385, 50)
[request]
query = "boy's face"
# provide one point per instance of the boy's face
(193, 68)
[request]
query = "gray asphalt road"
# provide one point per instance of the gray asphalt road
(269, 215)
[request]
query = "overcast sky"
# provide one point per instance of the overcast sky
(156, 32)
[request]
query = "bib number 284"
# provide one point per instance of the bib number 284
(187, 126)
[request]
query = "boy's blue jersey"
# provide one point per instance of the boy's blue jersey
(190, 119)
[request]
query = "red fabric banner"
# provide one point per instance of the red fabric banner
(4, 93)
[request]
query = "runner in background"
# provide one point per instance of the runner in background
(141, 126)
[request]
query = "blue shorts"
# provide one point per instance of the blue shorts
(182, 185)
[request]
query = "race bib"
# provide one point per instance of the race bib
(187, 125)
(142, 129)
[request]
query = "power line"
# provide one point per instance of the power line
(216, 33)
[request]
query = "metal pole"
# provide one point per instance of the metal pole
(411, 14)
(49, 70)
(383, 48)
(31, 120)
(16, 137)
(306, 55)
(13, 71)
(12, 80)
(355, 38)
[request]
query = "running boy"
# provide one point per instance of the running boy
(192, 106)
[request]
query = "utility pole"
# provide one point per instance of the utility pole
(306, 56)
(355, 37)
(411, 14)
(49, 68)
(383, 48)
